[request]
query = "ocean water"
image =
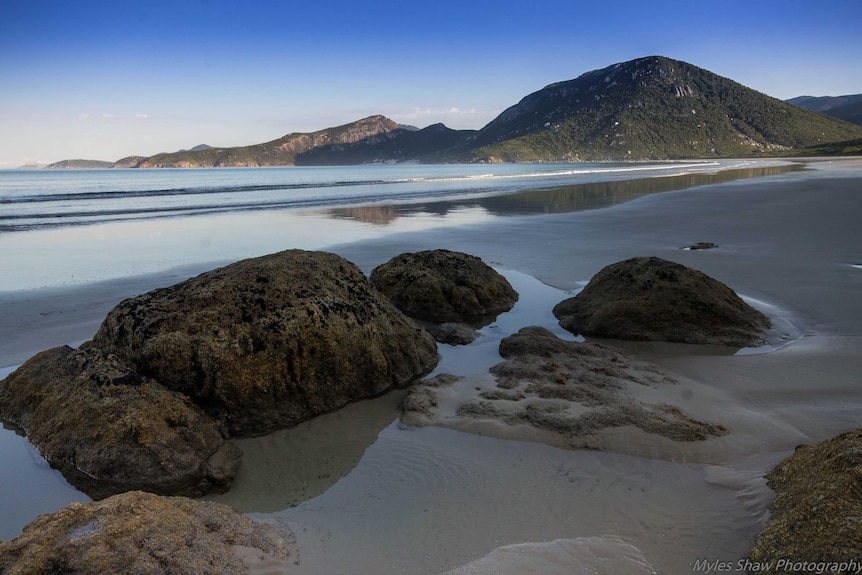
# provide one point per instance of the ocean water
(67, 228)
(31, 199)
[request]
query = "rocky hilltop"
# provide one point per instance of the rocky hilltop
(280, 152)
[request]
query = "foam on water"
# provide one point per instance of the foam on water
(34, 199)
(786, 326)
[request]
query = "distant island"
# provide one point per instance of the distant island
(652, 108)
(79, 165)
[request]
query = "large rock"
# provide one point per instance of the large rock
(648, 298)
(267, 342)
(443, 286)
(816, 514)
(109, 429)
(143, 534)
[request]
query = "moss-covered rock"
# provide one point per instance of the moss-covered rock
(267, 342)
(144, 534)
(648, 298)
(444, 286)
(109, 429)
(817, 514)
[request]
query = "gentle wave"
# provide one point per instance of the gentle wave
(561, 173)
(124, 194)
(233, 189)
(31, 220)
(35, 200)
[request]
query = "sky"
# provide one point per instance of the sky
(106, 79)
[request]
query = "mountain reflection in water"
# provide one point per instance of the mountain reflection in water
(558, 200)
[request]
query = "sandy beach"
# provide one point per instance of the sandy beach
(363, 493)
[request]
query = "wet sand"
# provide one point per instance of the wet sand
(390, 498)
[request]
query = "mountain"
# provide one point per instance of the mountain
(850, 113)
(129, 162)
(280, 152)
(429, 144)
(847, 108)
(650, 108)
(824, 103)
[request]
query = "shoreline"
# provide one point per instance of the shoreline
(788, 240)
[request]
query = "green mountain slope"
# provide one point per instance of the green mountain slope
(650, 108)
(398, 146)
(280, 152)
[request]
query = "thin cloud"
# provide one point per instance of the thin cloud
(453, 117)
(108, 118)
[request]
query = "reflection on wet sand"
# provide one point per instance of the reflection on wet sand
(287, 467)
(563, 199)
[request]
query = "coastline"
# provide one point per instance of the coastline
(789, 241)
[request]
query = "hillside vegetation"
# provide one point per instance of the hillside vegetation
(650, 108)
(280, 152)
(435, 141)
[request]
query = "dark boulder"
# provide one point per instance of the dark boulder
(267, 342)
(108, 429)
(815, 516)
(144, 534)
(700, 246)
(444, 286)
(648, 298)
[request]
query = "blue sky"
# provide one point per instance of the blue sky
(103, 80)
